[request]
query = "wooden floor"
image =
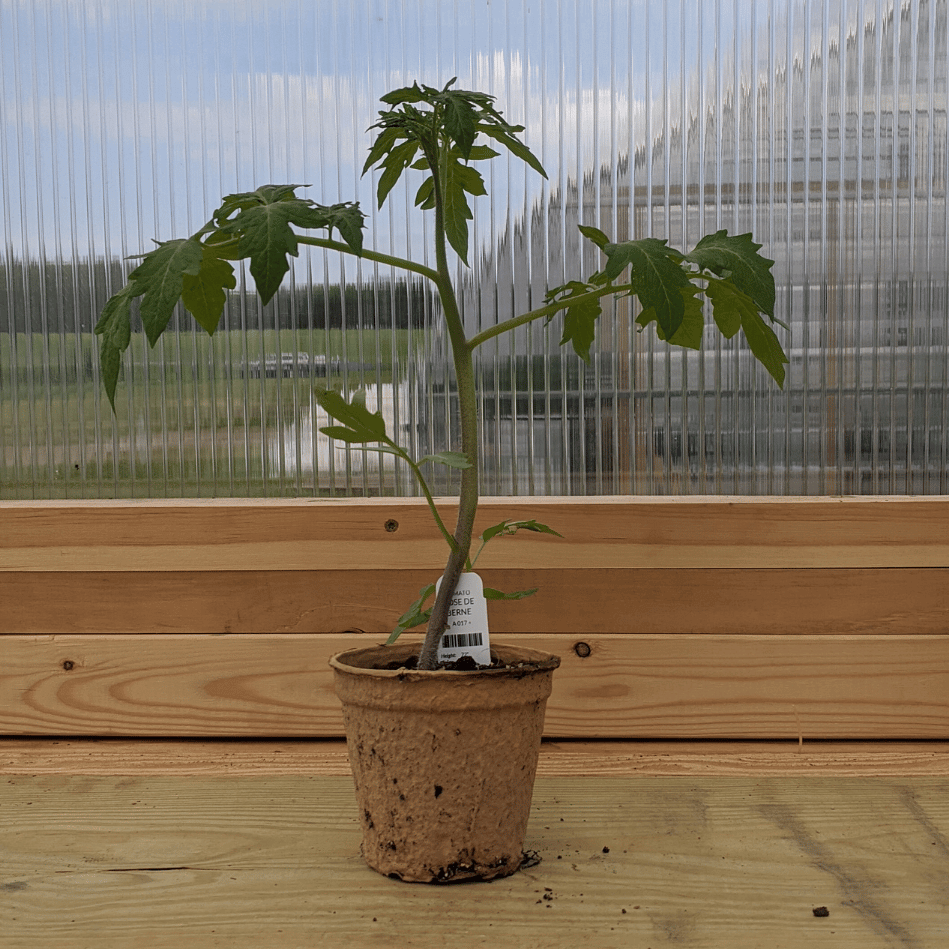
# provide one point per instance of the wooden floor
(254, 844)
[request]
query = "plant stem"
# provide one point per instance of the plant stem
(390, 260)
(468, 410)
(550, 310)
(429, 499)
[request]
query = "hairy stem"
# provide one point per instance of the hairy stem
(468, 408)
(423, 484)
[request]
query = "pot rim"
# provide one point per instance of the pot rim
(545, 662)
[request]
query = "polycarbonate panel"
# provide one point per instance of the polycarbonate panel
(821, 127)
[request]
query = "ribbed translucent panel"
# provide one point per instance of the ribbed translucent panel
(821, 127)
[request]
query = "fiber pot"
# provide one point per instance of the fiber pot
(443, 761)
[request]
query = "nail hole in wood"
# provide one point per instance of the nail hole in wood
(69, 664)
(582, 649)
(391, 526)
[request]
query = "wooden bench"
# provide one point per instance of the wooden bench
(751, 721)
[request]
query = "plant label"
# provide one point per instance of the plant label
(467, 633)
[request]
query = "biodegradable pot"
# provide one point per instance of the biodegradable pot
(443, 762)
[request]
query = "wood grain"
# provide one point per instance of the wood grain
(707, 618)
(909, 601)
(600, 758)
(660, 862)
(686, 686)
(599, 533)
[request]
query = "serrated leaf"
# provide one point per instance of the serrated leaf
(689, 333)
(738, 258)
(727, 305)
(365, 426)
(460, 122)
(383, 143)
(492, 594)
(346, 217)
(656, 275)
(161, 275)
(482, 153)
(765, 345)
(508, 527)
(579, 327)
(265, 194)
(536, 527)
(268, 240)
(414, 615)
(513, 145)
(453, 459)
(203, 294)
(406, 94)
(115, 327)
(397, 160)
(457, 212)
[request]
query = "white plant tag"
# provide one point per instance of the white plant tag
(467, 633)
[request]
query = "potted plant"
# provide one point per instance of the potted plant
(443, 758)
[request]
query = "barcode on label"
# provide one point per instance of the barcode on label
(456, 640)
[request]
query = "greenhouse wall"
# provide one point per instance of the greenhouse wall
(820, 128)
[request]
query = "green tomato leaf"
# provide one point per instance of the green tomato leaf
(509, 527)
(414, 615)
(115, 327)
(492, 594)
(502, 133)
(456, 180)
(349, 435)
(535, 527)
(453, 459)
(161, 275)
(481, 153)
(407, 94)
(765, 345)
(383, 143)
(656, 275)
(203, 293)
(594, 234)
(728, 304)
(345, 217)
(261, 221)
(738, 259)
(425, 197)
(689, 333)
(265, 194)
(579, 327)
(579, 319)
(460, 121)
(361, 424)
(732, 308)
(268, 240)
(397, 160)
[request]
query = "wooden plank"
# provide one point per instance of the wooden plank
(721, 602)
(272, 861)
(687, 686)
(602, 533)
(194, 757)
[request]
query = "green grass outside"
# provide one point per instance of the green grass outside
(189, 386)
